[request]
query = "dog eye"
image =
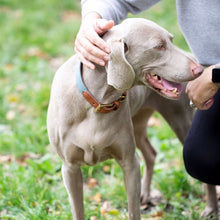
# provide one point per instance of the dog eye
(161, 46)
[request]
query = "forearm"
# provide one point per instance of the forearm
(114, 9)
(91, 16)
(108, 9)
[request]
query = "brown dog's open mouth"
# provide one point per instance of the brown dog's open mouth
(164, 87)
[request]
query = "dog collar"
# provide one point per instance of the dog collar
(103, 108)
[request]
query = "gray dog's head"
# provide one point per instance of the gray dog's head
(143, 53)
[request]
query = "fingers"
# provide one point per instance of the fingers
(88, 52)
(202, 98)
(89, 46)
(103, 25)
(205, 105)
(208, 104)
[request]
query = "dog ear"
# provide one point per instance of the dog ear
(120, 73)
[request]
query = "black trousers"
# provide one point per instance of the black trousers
(201, 150)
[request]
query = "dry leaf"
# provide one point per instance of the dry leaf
(106, 169)
(92, 182)
(6, 158)
(157, 214)
(21, 160)
(36, 52)
(97, 197)
(105, 208)
(8, 66)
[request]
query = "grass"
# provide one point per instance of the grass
(36, 37)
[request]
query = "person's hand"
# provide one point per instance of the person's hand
(89, 46)
(202, 90)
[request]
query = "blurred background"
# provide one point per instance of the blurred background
(36, 37)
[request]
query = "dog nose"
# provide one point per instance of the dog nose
(197, 70)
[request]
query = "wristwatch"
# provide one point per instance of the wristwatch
(216, 75)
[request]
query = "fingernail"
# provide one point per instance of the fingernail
(102, 63)
(92, 67)
(107, 50)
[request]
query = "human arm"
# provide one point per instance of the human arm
(88, 45)
(202, 90)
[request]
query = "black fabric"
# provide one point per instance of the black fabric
(201, 150)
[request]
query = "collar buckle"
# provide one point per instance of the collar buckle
(103, 106)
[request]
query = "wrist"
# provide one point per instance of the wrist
(91, 16)
(216, 75)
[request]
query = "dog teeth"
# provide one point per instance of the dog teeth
(154, 76)
(175, 91)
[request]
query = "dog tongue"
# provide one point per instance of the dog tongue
(171, 85)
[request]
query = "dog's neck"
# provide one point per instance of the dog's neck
(96, 83)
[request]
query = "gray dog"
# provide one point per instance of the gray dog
(90, 111)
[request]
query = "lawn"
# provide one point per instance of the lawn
(36, 38)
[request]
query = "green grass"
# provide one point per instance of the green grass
(36, 37)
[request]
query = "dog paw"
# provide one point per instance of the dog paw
(209, 213)
(152, 200)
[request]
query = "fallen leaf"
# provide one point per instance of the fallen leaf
(97, 197)
(106, 169)
(8, 66)
(6, 158)
(22, 160)
(37, 52)
(92, 182)
(157, 214)
(105, 208)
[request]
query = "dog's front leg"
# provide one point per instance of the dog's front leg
(132, 178)
(73, 182)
